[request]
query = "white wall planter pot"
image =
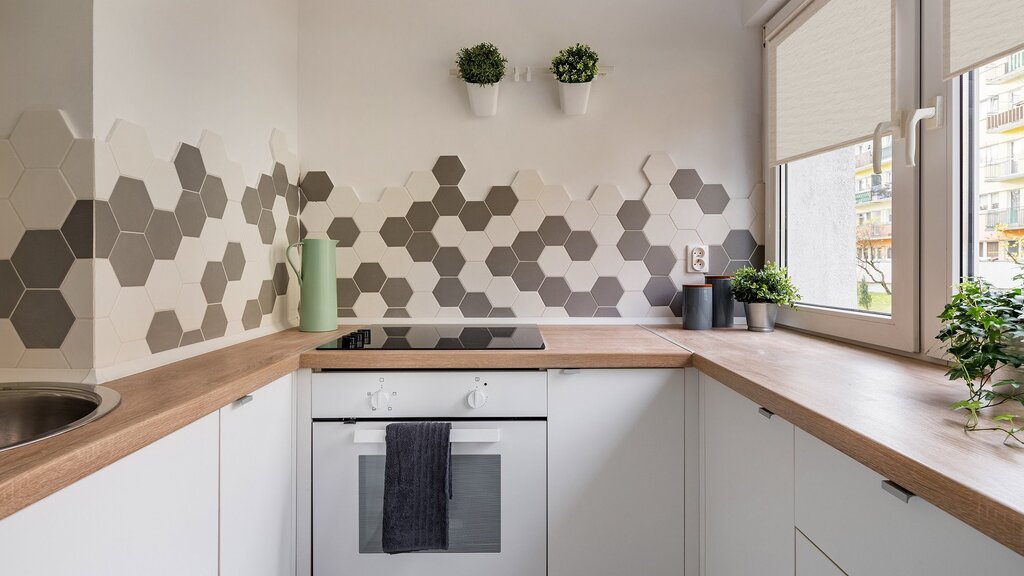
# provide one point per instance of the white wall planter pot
(574, 97)
(483, 98)
(761, 316)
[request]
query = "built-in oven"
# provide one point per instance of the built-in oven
(497, 511)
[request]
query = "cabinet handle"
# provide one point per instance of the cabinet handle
(571, 371)
(765, 412)
(243, 400)
(897, 490)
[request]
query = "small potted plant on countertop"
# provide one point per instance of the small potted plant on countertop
(762, 291)
(482, 67)
(575, 68)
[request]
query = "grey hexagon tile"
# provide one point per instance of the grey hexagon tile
(422, 246)
(251, 205)
(267, 192)
(348, 292)
(370, 277)
(215, 199)
(190, 214)
(317, 186)
(607, 312)
(686, 184)
(734, 266)
(554, 230)
(11, 288)
(163, 235)
(293, 231)
(267, 297)
(77, 229)
(448, 170)
(422, 216)
(267, 227)
(303, 232)
(281, 278)
(234, 261)
(448, 201)
(345, 231)
(449, 261)
(528, 246)
(633, 245)
(190, 166)
(396, 313)
(501, 200)
(580, 245)
(607, 291)
(718, 259)
(713, 199)
(581, 305)
(449, 292)
(131, 259)
(42, 259)
(502, 312)
(294, 200)
(280, 177)
(660, 290)
(42, 319)
(475, 305)
(41, 138)
(105, 229)
(554, 291)
(660, 260)
(215, 322)
(502, 261)
(131, 204)
(252, 316)
(633, 215)
(739, 244)
(528, 276)
(475, 216)
(757, 258)
(396, 292)
(677, 305)
(164, 331)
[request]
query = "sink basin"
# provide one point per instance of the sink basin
(33, 412)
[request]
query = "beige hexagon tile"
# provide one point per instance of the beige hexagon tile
(580, 215)
(757, 197)
(686, 214)
(42, 138)
(395, 201)
(634, 304)
(659, 199)
(422, 276)
(475, 246)
(528, 185)
(528, 305)
(554, 199)
(131, 351)
(234, 302)
(607, 199)
(191, 260)
(107, 172)
(317, 217)
(502, 292)
(369, 217)
(660, 312)
(79, 169)
(739, 213)
(757, 229)
(554, 261)
(659, 168)
(215, 155)
(106, 343)
(11, 348)
(449, 312)
(607, 230)
(581, 276)
(234, 222)
(396, 262)
(370, 305)
(346, 261)
(130, 146)
(163, 285)
(77, 287)
(634, 275)
(607, 260)
(713, 229)
(681, 240)
(370, 247)
(422, 185)
(475, 276)
(555, 312)
(163, 185)
(449, 231)
(502, 230)
(528, 215)
(10, 168)
(132, 313)
(11, 229)
(660, 229)
(191, 306)
(42, 198)
(280, 213)
(106, 289)
(78, 344)
(233, 178)
(422, 305)
(282, 152)
(43, 358)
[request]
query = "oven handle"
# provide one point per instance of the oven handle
(458, 436)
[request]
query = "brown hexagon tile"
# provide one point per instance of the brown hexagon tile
(302, 231)
(190, 166)
(422, 216)
(11, 288)
(344, 230)
(267, 297)
(191, 337)
(449, 170)
(448, 201)
(677, 305)
(42, 258)
(396, 292)
(251, 205)
(686, 184)
(280, 179)
(739, 244)
(757, 258)
(660, 290)
(580, 305)
(528, 245)
(501, 200)
(215, 199)
(191, 214)
(718, 259)
(607, 312)
(292, 230)
(131, 205)
(215, 322)
(502, 261)
(252, 316)
(502, 313)
(607, 291)
(422, 246)
(475, 305)
(554, 230)
(348, 292)
(633, 215)
(281, 278)
(449, 261)
(267, 192)
(234, 261)
(554, 291)
(713, 199)
(294, 200)
(77, 229)
(528, 276)
(346, 313)
(42, 319)
(581, 245)
(105, 229)
(317, 186)
(164, 331)
(660, 260)
(395, 231)
(214, 282)
(370, 277)
(633, 245)
(267, 227)
(131, 259)
(396, 313)
(475, 216)
(163, 235)
(449, 292)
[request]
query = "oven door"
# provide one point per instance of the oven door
(497, 516)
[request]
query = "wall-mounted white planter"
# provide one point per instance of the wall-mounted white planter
(574, 97)
(483, 98)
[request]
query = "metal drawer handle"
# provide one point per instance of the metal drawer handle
(897, 490)
(243, 400)
(571, 371)
(458, 436)
(765, 412)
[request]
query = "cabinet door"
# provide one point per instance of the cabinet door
(812, 562)
(153, 512)
(842, 507)
(615, 472)
(257, 498)
(748, 486)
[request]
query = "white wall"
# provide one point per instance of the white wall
(177, 67)
(46, 60)
(376, 101)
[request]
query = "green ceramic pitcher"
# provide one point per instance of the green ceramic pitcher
(318, 278)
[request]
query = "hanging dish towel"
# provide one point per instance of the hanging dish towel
(417, 486)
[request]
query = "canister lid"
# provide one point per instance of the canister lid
(712, 277)
(696, 285)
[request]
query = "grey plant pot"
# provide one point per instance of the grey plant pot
(761, 316)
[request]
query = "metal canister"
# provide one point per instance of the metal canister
(697, 306)
(721, 301)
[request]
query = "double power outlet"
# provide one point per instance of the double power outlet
(697, 259)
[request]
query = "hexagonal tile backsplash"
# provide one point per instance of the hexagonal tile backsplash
(526, 248)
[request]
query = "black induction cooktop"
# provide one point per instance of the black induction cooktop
(440, 337)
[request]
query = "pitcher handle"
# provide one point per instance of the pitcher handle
(288, 256)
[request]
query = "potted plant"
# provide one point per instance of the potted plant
(482, 67)
(575, 68)
(762, 292)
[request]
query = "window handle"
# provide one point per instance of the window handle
(934, 115)
(876, 140)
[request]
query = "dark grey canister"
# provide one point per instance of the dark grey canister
(697, 306)
(721, 301)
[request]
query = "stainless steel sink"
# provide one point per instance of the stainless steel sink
(33, 412)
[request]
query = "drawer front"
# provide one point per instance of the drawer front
(810, 561)
(843, 508)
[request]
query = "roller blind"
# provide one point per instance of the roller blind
(831, 76)
(979, 31)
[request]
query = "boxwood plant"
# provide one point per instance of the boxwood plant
(770, 284)
(481, 64)
(575, 64)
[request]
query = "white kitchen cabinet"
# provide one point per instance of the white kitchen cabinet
(615, 472)
(842, 507)
(153, 512)
(812, 562)
(747, 486)
(257, 494)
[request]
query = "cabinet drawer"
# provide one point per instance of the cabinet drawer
(842, 507)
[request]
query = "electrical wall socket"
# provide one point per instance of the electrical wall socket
(697, 258)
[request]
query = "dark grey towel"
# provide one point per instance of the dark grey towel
(416, 487)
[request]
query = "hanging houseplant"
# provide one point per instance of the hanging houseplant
(575, 68)
(482, 67)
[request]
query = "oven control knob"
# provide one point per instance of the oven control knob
(379, 400)
(477, 398)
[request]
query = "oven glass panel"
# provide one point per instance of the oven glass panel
(474, 512)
